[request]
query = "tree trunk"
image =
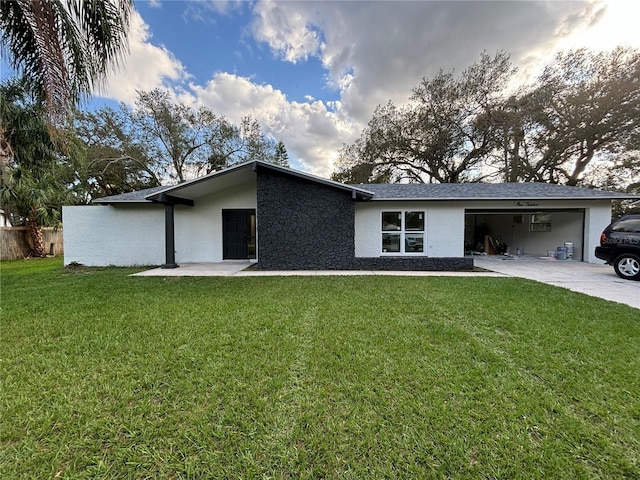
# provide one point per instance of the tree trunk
(37, 240)
(580, 166)
(514, 171)
(6, 154)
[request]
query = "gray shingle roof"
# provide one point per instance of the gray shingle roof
(428, 191)
(485, 191)
(131, 197)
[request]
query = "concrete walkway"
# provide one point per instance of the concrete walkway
(240, 268)
(590, 279)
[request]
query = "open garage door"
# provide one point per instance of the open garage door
(533, 232)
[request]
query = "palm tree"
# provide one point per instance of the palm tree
(32, 186)
(34, 198)
(65, 47)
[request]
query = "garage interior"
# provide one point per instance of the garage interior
(524, 232)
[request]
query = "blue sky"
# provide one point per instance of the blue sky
(208, 41)
(312, 73)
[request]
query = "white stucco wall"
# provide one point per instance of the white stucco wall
(446, 223)
(444, 235)
(198, 229)
(102, 235)
(596, 219)
(129, 235)
(134, 234)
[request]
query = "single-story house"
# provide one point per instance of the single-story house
(282, 218)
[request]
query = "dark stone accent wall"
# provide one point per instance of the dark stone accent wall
(440, 264)
(303, 225)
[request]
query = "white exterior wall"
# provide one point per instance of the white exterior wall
(129, 235)
(198, 229)
(445, 225)
(444, 234)
(596, 219)
(124, 236)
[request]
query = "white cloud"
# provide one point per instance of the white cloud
(146, 67)
(312, 133)
(285, 28)
(373, 52)
(610, 23)
(378, 51)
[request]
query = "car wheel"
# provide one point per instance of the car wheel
(627, 266)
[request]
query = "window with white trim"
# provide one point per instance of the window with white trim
(403, 232)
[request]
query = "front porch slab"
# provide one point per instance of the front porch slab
(218, 269)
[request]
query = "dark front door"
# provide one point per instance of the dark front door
(238, 234)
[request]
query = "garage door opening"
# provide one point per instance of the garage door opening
(530, 232)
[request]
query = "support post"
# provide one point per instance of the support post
(169, 238)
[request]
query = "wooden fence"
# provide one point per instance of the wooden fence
(15, 242)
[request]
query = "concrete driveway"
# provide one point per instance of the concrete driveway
(588, 278)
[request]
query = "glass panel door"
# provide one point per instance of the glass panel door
(238, 234)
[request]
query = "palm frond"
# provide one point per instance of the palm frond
(66, 47)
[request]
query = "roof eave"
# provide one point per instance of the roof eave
(461, 199)
(195, 181)
(142, 201)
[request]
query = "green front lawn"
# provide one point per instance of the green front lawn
(109, 376)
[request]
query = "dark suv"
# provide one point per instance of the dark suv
(620, 246)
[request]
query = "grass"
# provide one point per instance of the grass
(109, 376)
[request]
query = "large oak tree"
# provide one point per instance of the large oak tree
(584, 107)
(579, 120)
(161, 140)
(445, 131)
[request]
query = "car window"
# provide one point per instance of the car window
(627, 225)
